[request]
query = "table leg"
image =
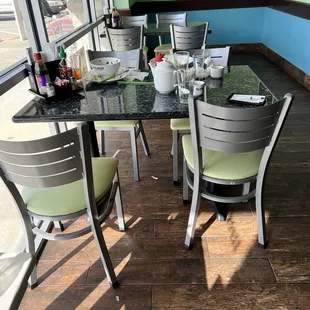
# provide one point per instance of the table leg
(93, 140)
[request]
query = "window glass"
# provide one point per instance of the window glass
(62, 17)
(99, 4)
(13, 40)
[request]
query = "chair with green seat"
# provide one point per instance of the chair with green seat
(170, 19)
(62, 182)
(230, 146)
(130, 21)
(129, 59)
(220, 57)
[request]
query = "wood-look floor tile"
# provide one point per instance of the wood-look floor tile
(233, 296)
(88, 297)
(291, 270)
(172, 271)
(81, 249)
(285, 208)
(208, 227)
(58, 273)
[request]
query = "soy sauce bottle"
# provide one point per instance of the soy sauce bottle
(41, 74)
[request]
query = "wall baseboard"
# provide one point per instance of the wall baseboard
(299, 75)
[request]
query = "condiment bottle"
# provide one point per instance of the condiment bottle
(114, 19)
(158, 58)
(41, 74)
(63, 64)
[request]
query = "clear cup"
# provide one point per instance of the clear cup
(199, 65)
(181, 60)
(185, 79)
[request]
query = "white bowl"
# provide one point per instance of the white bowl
(106, 66)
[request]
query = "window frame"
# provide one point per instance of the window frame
(38, 39)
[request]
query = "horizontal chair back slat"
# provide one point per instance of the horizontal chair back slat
(134, 20)
(176, 19)
(126, 39)
(40, 163)
(187, 38)
(236, 130)
(48, 181)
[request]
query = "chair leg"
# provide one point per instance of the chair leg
(102, 142)
(119, 205)
(260, 214)
(30, 248)
(104, 254)
(246, 189)
(134, 153)
(59, 227)
(185, 185)
(144, 140)
(145, 61)
(175, 135)
(191, 226)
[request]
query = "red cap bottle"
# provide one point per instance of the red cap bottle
(158, 58)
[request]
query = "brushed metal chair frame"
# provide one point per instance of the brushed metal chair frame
(55, 161)
(220, 57)
(126, 39)
(187, 38)
(130, 59)
(131, 21)
(175, 19)
(231, 130)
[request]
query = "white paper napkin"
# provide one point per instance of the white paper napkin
(135, 75)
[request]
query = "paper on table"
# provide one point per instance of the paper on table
(135, 75)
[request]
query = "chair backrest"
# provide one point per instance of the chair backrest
(129, 59)
(130, 21)
(49, 162)
(186, 38)
(171, 19)
(235, 130)
(126, 39)
(219, 55)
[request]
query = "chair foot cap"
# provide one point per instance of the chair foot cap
(221, 217)
(176, 182)
(186, 202)
(188, 247)
(115, 285)
(33, 286)
(263, 246)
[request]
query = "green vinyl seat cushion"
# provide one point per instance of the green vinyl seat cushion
(120, 124)
(164, 48)
(180, 124)
(69, 198)
(224, 166)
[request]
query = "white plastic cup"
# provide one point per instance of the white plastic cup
(217, 72)
(198, 88)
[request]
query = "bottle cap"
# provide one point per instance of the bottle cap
(159, 57)
(37, 56)
(62, 53)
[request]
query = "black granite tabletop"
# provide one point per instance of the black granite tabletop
(121, 101)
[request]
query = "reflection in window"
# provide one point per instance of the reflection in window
(62, 17)
(13, 40)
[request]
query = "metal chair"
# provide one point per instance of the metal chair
(187, 38)
(126, 39)
(179, 126)
(171, 19)
(230, 146)
(61, 182)
(15, 269)
(130, 21)
(129, 59)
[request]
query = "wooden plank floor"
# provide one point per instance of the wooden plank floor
(225, 269)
